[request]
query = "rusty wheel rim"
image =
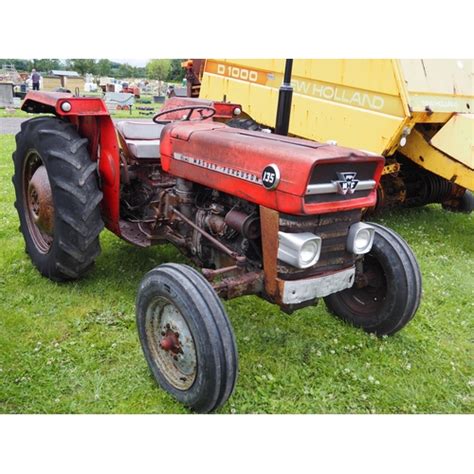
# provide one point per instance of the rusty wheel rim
(171, 343)
(367, 295)
(38, 202)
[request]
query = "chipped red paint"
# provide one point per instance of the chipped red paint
(239, 157)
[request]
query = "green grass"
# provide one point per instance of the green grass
(73, 348)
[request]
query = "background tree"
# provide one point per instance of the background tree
(104, 67)
(20, 64)
(158, 69)
(46, 65)
(125, 70)
(139, 72)
(177, 72)
(83, 66)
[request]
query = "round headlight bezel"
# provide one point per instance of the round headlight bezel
(309, 252)
(360, 238)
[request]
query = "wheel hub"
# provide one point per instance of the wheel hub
(40, 201)
(170, 342)
(369, 290)
(173, 344)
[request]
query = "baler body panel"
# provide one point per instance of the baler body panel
(368, 104)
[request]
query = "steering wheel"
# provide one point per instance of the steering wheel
(192, 108)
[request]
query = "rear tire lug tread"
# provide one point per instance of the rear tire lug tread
(87, 172)
(79, 194)
(78, 220)
(61, 155)
(78, 143)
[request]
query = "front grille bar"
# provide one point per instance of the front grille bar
(333, 188)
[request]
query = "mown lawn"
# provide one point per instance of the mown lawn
(73, 348)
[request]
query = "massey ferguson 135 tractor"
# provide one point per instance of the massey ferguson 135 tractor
(257, 213)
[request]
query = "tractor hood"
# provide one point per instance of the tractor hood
(270, 170)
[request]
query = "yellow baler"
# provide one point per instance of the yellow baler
(417, 113)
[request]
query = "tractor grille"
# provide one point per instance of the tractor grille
(326, 173)
(333, 230)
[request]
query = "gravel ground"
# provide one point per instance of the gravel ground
(11, 125)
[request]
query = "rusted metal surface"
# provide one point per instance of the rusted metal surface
(389, 168)
(38, 202)
(173, 350)
(170, 341)
(248, 226)
(453, 200)
(269, 220)
(245, 284)
(392, 192)
(210, 274)
(194, 69)
(41, 200)
(239, 258)
(296, 292)
(216, 224)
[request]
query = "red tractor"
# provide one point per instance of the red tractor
(257, 213)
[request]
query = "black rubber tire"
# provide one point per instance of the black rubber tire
(205, 316)
(245, 124)
(466, 202)
(403, 288)
(75, 192)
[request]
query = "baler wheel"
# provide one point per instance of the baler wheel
(466, 202)
(386, 295)
(186, 337)
(57, 198)
(463, 204)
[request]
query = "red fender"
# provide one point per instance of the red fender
(93, 121)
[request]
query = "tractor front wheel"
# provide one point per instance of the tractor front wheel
(57, 198)
(186, 337)
(387, 289)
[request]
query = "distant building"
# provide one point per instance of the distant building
(63, 79)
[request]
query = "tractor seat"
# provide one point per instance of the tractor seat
(142, 139)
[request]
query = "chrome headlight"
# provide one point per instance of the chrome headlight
(299, 250)
(360, 238)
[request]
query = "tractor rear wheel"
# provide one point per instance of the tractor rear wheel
(57, 198)
(387, 293)
(186, 337)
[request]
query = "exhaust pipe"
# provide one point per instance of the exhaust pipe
(285, 95)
